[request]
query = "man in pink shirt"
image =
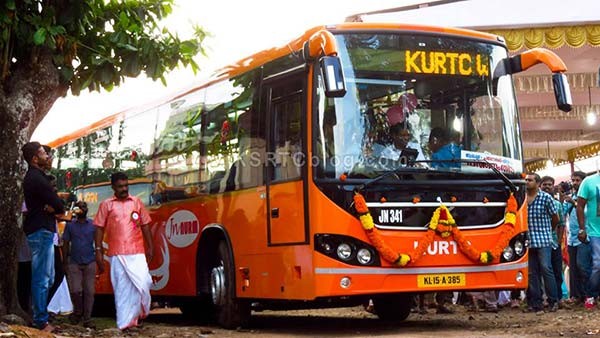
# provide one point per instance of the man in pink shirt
(126, 223)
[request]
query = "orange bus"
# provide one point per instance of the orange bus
(281, 183)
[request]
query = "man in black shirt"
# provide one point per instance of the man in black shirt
(40, 225)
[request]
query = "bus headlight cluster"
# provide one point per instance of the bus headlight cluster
(516, 248)
(347, 249)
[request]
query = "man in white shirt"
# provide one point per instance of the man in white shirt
(400, 141)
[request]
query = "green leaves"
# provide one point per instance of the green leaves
(96, 43)
(10, 4)
(40, 36)
(188, 48)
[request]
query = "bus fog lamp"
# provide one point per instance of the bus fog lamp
(345, 282)
(364, 256)
(344, 251)
(519, 248)
(508, 253)
(519, 277)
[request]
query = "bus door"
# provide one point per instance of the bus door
(285, 165)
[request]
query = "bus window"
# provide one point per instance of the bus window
(71, 164)
(478, 114)
(232, 145)
(176, 161)
(134, 149)
(286, 112)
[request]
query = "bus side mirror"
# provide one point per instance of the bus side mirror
(526, 60)
(333, 76)
(562, 92)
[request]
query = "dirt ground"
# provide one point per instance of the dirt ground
(352, 322)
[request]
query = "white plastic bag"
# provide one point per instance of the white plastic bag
(61, 301)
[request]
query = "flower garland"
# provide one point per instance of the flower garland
(442, 223)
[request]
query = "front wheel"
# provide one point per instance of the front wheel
(230, 312)
(395, 307)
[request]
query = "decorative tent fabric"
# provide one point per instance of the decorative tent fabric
(550, 37)
(543, 83)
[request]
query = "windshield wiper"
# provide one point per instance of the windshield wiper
(504, 178)
(412, 170)
(402, 170)
(500, 174)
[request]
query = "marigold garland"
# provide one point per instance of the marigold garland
(442, 223)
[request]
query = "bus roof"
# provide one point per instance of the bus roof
(260, 58)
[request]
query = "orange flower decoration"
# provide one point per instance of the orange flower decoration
(442, 224)
(511, 204)
(416, 199)
(343, 177)
(360, 204)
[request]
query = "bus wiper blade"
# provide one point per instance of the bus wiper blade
(376, 179)
(500, 174)
(395, 173)
(504, 178)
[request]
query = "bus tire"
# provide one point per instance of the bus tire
(230, 312)
(394, 307)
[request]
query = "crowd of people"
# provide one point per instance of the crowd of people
(564, 216)
(45, 256)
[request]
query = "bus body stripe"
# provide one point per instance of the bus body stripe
(414, 271)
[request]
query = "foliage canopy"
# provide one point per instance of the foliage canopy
(94, 43)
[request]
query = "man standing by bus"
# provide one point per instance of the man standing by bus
(542, 219)
(557, 235)
(39, 226)
(580, 252)
(80, 265)
(588, 217)
(126, 222)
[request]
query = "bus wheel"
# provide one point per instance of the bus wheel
(231, 312)
(395, 307)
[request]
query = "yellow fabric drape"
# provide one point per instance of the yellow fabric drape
(584, 152)
(550, 37)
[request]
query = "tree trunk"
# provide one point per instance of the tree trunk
(25, 98)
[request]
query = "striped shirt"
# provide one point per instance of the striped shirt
(539, 217)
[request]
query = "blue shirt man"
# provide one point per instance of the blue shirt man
(557, 235)
(443, 149)
(80, 234)
(580, 253)
(79, 252)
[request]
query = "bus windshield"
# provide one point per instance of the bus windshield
(421, 101)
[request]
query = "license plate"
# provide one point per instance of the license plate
(442, 280)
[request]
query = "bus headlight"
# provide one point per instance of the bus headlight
(519, 248)
(516, 249)
(344, 251)
(347, 249)
(364, 256)
(508, 253)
